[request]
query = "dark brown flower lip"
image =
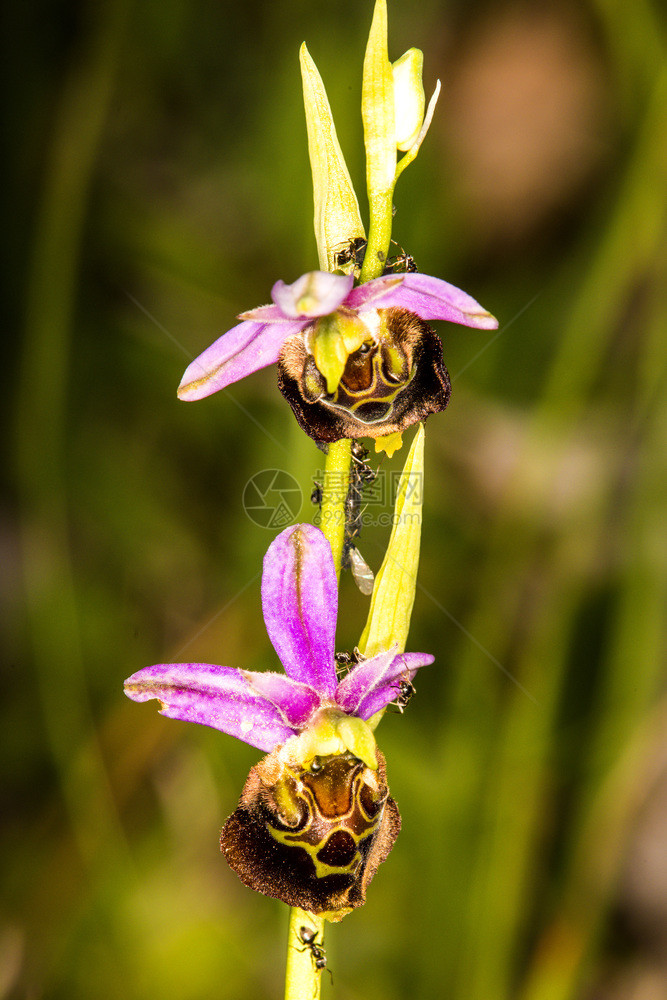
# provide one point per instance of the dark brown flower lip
(326, 865)
(392, 404)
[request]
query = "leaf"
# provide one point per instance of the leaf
(394, 591)
(337, 218)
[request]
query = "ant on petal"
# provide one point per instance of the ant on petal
(406, 690)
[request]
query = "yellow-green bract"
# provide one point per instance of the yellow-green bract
(388, 621)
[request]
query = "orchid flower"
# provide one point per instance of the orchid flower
(352, 362)
(315, 819)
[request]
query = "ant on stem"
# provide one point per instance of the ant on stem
(308, 938)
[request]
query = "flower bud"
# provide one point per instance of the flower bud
(409, 100)
(377, 110)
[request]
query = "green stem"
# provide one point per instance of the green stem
(335, 487)
(303, 978)
(379, 234)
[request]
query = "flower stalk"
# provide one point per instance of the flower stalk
(302, 976)
(334, 493)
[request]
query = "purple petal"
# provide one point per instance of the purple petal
(239, 352)
(266, 314)
(300, 603)
(373, 683)
(430, 298)
(297, 701)
(232, 701)
(316, 293)
(373, 293)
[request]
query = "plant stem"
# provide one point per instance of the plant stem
(302, 978)
(379, 235)
(335, 487)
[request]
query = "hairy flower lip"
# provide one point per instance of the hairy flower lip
(400, 380)
(312, 840)
(265, 709)
(256, 342)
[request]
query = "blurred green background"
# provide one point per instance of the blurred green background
(156, 184)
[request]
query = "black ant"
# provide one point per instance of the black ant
(345, 661)
(308, 937)
(363, 469)
(360, 474)
(402, 263)
(406, 690)
(354, 251)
